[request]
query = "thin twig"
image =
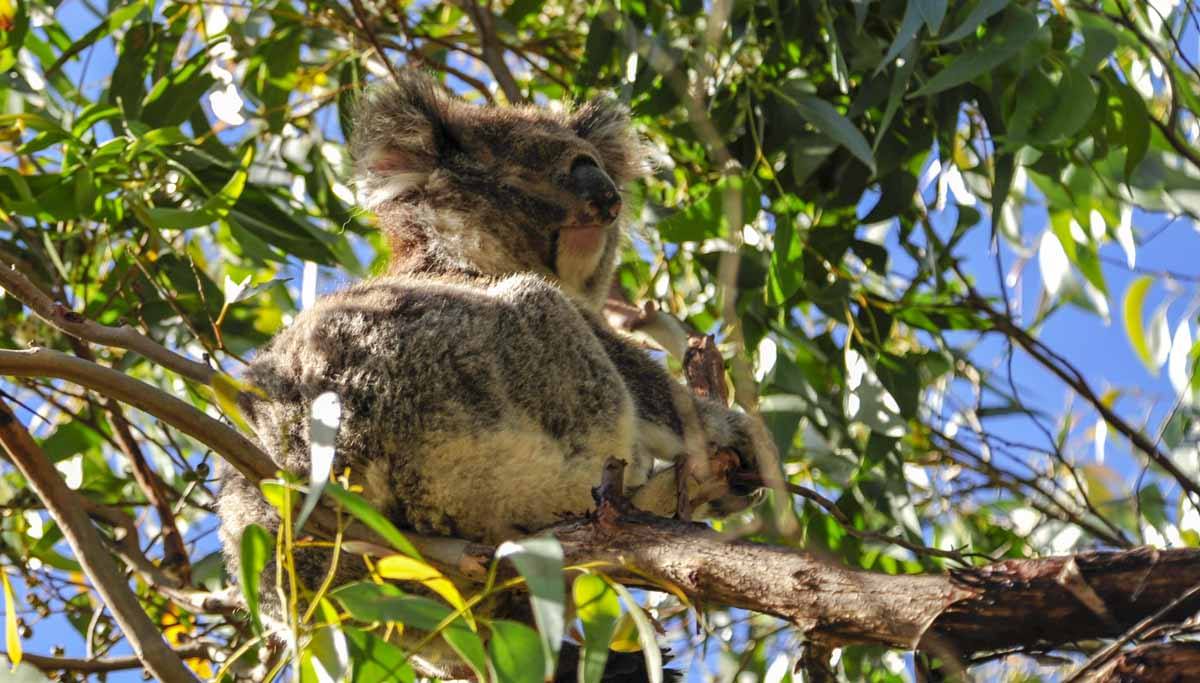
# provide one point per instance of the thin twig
(229, 444)
(1112, 648)
(1074, 379)
(62, 504)
(107, 664)
(72, 323)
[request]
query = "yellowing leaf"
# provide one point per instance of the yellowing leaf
(226, 391)
(1131, 309)
(12, 637)
(625, 638)
(404, 568)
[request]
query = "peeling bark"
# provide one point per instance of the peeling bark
(1153, 663)
(1013, 603)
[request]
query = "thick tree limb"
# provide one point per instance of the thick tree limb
(1006, 604)
(143, 635)
(82, 330)
(124, 337)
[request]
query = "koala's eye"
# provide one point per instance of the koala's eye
(581, 161)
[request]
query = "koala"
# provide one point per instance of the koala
(481, 388)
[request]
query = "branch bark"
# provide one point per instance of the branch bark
(491, 48)
(105, 664)
(1013, 603)
(143, 635)
(74, 324)
(1153, 663)
(230, 445)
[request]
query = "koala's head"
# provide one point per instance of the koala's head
(495, 190)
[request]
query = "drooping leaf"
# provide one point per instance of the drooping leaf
(12, 636)
(1132, 315)
(257, 546)
(539, 560)
(367, 514)
(516, 652)
(979, 14)
(599, 609)
(405, 568)
(646, 633)
(825, 118)
(997, 47)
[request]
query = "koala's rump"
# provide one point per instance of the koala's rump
(477, 410)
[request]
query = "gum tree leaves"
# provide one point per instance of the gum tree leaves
(599, 609)
(1020, 26)
(540, 560)
(257, 546)
(826, 118)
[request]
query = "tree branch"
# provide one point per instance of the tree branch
(1074, 379)
(1023, 602)
(1151, 664)
(62, 504)
(492, 49)
(72, 323)
(229, 444)
(103, 665)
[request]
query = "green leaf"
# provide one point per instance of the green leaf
(896, 194)
(708, 216)
(909, 26)
(367, 601)
(330, 651)
(257, 544)
(1135, 125)
(174, 96)
(979, 14)
(599, 609)
(375, 659)
(214, 208)
(998, 47)
(540, 560)
(646, 633)
(366, 513)
(1075, 101)
(405, 568)
(933, 12)
(1098, 44)
(896, 92)
(1132, 313)
(516, 652)
(826, 118)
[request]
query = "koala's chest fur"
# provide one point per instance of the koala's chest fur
(477, 409)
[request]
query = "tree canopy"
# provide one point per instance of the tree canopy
(849, 197)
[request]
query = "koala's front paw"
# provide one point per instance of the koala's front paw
(736, 445)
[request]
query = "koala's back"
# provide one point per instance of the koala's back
(474, 409)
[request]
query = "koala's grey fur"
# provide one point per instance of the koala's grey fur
(481, 389)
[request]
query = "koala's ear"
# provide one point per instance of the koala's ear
(401, 130)
(604, 122)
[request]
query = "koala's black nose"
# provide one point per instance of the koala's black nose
(593, 186)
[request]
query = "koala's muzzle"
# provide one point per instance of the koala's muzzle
(593, 186)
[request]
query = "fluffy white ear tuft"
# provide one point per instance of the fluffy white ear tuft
(401, 131)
